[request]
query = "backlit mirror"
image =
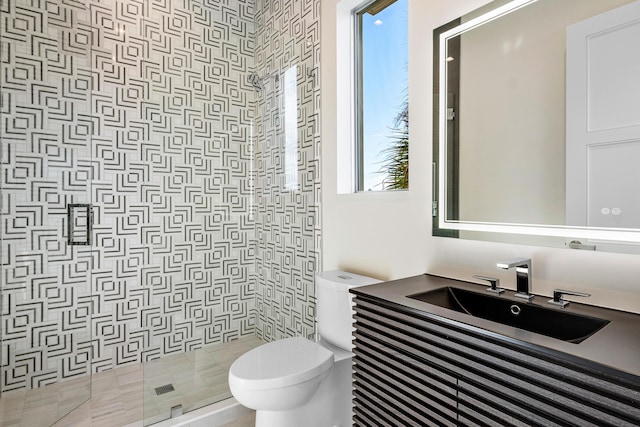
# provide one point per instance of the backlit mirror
(537, 124)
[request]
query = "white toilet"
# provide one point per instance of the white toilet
(296, 382)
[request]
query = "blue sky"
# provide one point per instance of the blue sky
(385, 82)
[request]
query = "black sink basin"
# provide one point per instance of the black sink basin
(551, 322)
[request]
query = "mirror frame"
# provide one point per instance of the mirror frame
(450, 228)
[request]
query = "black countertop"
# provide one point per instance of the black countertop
(616, 346)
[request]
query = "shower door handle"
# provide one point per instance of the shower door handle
(74, 215)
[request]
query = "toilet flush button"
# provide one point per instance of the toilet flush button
(344, 277)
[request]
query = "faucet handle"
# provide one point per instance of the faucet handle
(494, 284)
(561, 302)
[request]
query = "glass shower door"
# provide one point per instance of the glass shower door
(46, 168)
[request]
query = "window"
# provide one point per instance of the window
(382, 112)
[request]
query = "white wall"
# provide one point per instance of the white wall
(388, 235)
(515, 58)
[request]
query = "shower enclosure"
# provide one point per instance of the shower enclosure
(159, 197)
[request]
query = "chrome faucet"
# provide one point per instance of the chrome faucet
(523, 276)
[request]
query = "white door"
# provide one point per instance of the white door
(603, 120)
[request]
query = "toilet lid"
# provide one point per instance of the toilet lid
(280, 363)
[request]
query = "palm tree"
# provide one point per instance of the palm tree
(395, 166)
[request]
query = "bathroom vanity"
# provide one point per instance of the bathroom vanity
(421, 360)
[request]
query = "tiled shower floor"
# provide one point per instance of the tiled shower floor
(199, 378)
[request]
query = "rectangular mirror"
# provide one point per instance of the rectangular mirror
(537, 124)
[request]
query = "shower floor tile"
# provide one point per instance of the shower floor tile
(118, 395)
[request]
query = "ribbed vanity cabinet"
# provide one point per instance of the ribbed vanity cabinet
(416, 369)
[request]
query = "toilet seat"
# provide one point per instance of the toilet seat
(280, 364)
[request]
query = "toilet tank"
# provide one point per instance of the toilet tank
(335, 305)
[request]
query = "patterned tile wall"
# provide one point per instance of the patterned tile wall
(46, 123)
(144, 108)
(288, 217)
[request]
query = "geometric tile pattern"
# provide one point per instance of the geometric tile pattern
(191, 275)
(201, 232)
(45, 160)
(143, 109)
(288, 181)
